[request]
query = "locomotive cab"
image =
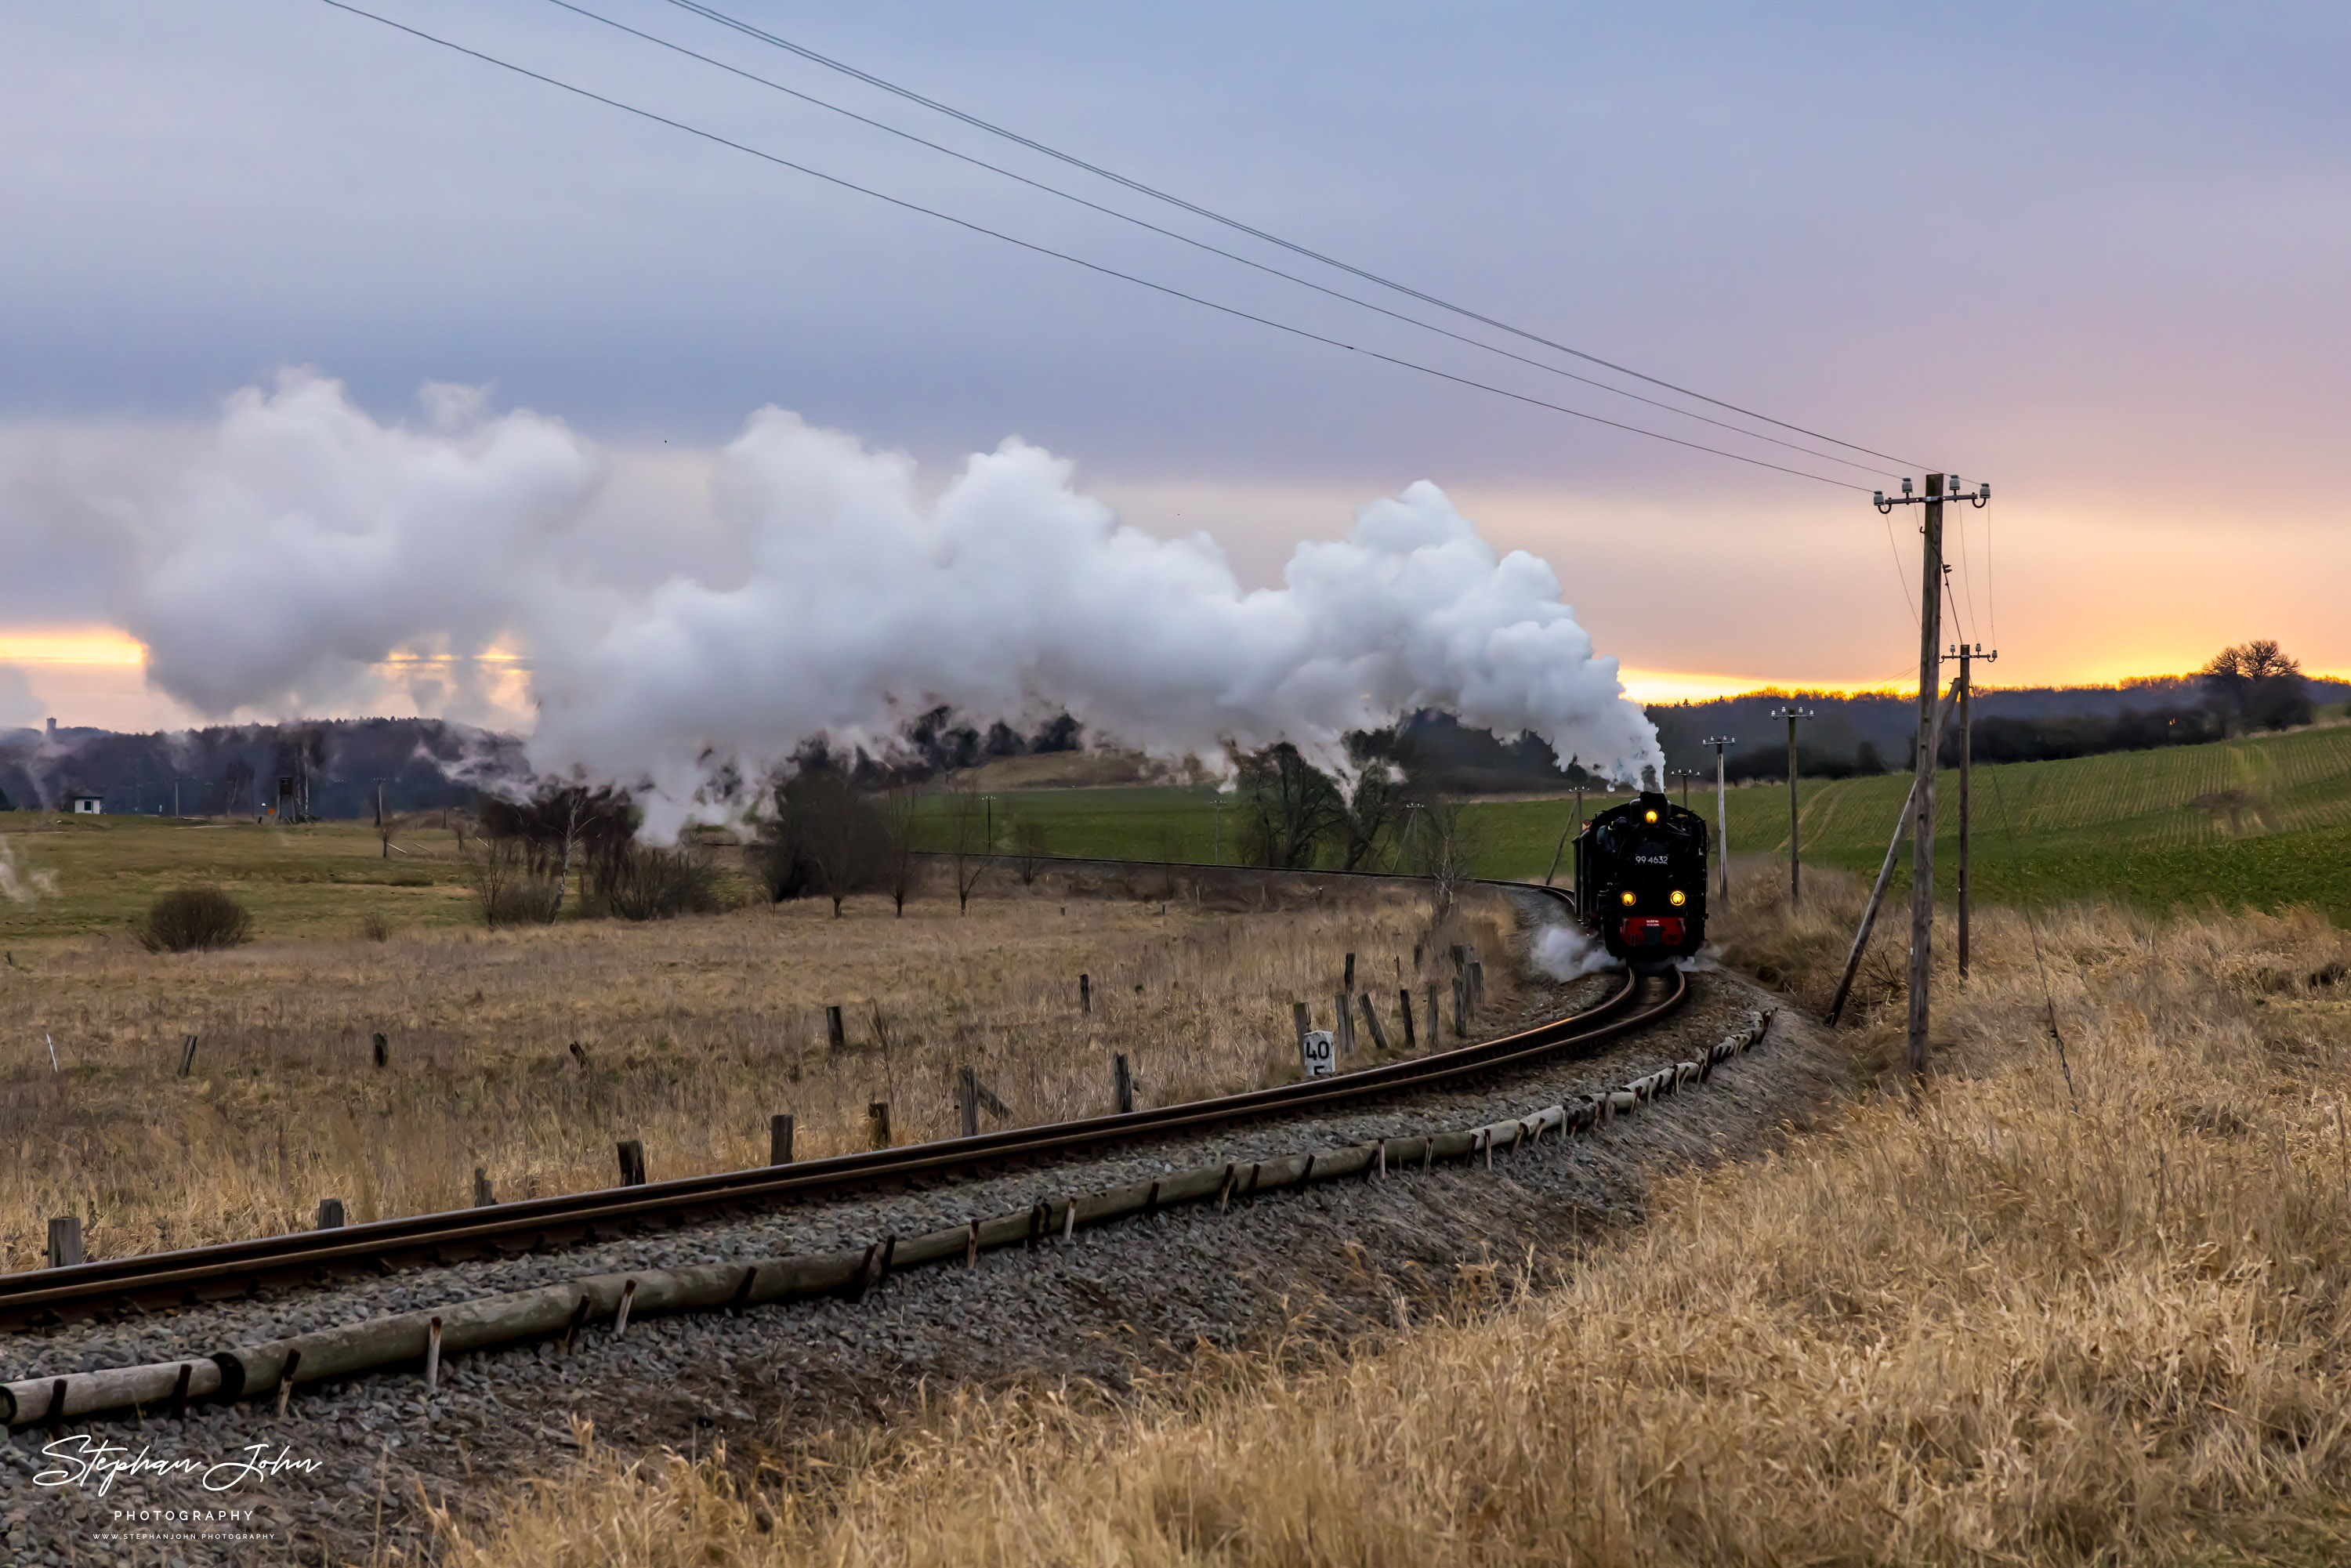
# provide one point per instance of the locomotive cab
(1640, 880)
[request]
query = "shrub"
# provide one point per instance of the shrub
(196, 920)
(374, 927)
(652, 883)
(510, 888)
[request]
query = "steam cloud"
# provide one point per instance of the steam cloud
(309, 544)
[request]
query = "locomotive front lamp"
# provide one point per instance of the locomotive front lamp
(1648, 816)
(1677, 898)
(1628, 898)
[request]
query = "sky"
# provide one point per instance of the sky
(2091, 254)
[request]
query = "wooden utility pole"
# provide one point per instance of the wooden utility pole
(1922, 799)
(1922, 790)
(1721, 818)
(1966, 759)
(1791, 713)
(1877, 893)
(1574, 822)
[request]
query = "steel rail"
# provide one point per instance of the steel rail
(228, 1269)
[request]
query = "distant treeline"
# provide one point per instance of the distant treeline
(234, 770)
(2251, 687)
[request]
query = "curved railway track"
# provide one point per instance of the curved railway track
(226, 1271)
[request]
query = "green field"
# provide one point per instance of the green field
(2264, 821)
(66, 876)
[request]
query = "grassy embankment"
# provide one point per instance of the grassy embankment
(695, 1030)
(2263, 822)
(2091, 1312)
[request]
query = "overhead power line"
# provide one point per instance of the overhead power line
(712, 14)
(1200, 245)
(1031, 245)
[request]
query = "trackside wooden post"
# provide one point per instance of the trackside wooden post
(330, 1214)
(484, 1195)
(1121, 1085)
(632, 1162)
(65, 1241)
(835, 1035)
(877, 1124)
(1372, 1023)
(779, 1140)
(1403, 1011)
(383, 1050)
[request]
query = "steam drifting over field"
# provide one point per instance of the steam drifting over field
(308, 544)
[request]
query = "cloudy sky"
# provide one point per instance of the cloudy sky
(2091, 254)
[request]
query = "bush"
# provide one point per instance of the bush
(375, 927)
(196, 920)
(648, 884)
(510, 888)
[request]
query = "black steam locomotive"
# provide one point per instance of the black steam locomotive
(1640, 880)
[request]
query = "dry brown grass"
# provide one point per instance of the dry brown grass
(2006, 1322)
(695, 1032)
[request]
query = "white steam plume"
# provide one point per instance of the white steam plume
(312, 543)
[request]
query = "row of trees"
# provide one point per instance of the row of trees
(837, 829)
(530, 856)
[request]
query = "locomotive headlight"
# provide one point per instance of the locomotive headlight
(1649, 816)
(1628, 898)
(1677, 898)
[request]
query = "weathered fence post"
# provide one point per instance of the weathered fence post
(1348, 984)
(1403, 1011)
(632, 1162)
(65, 1241)
(1372, 1020)
(383, 1050)
(1346, 1029)
(1121, 1083)
(483, 1195)
(1461, 1007)
(779, 1140)
(967, 1101)
(1476, 985)
(1085, 993)
(1301, 1023)
(834, 1035)
(1435, 1038)
(188, 1056)
(877, 1124)
(330, 1214)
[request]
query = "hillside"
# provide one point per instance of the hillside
(2264, 821)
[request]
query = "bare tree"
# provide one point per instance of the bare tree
(900, 869)
(2257, 682)
(1373, 810)
(839, 837)
(1446, 845)
(1289, 808)
(968, 830)
(1029, 849)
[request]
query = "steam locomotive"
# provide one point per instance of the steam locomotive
(1640, 880)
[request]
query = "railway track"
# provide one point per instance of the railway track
(110, 1287)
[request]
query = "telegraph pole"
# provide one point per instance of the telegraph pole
(1791, 713)
(1922, 788)
(1573, 824)
(1721, 815)
(1967, 760)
